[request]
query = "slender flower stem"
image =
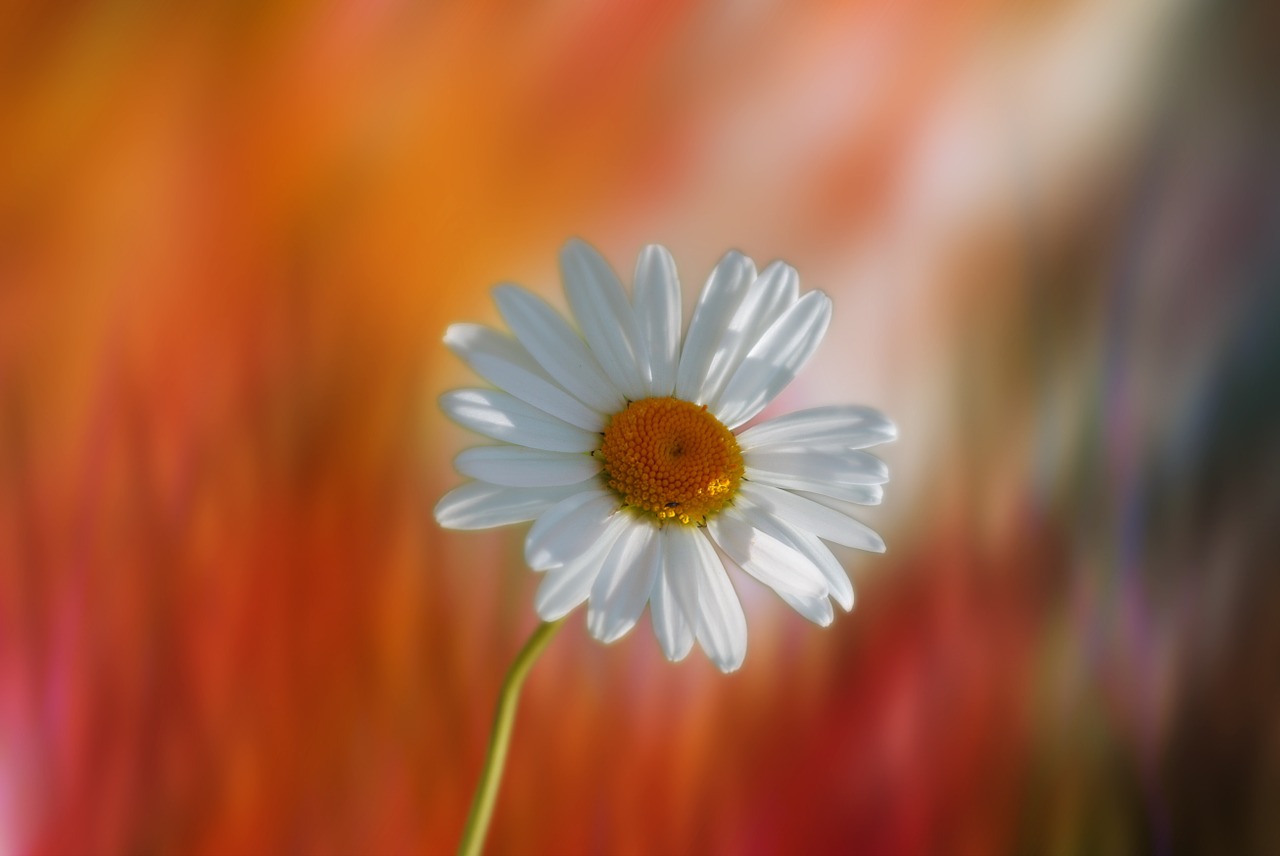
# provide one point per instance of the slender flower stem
(500, 739)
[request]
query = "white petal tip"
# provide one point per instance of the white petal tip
(576, 246)
(604, 628)
(540, 560)
(726, 661)
(552, 611)
(779, 268)
(446, 511)
(844, 597)
(447, 516)
(606, 635)
(537, 557)
(504, 290)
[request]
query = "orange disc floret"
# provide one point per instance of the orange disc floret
(672, 459)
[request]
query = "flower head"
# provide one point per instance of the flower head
(625, 444)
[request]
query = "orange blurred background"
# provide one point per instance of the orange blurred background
(232, 236)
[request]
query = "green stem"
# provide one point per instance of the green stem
(491, 776)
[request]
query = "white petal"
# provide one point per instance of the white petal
(718, 621)
(507, 418)
(717, 303)
(565, 587)
(657, 307)
(567, 530)
(607, 320)
(810, 516)
(842, 426)
(821, 467)
(480, 505)
(506, 364)
(557, 348)
(775, 359)
(862, 494)
(623, 585)
(721, 628)
(766, 558)
(670, 624)
(517, 466)
(771, 294)
(816, 609)
(808, 545)
(844, 506)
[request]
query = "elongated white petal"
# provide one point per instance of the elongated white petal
(847, 507)
(657, 306)
(517, 466)
(850, 426)
(565, 587)
(623, 585)
(771, 294)
(814, 517)
(775, 359)
(808, 545)
(480, 505)
(504, 417)
(607, 320)
(838, 467)
(862, 494)
(718, 621)
(506, 364)
(557, 348)
(717, 303)
(567, 529)
(670, 624)
(772, 562)
(721, 628)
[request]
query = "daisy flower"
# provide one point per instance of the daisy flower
(624, 441)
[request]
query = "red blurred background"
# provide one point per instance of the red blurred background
(232, 235)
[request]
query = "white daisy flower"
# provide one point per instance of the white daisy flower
(625, 445)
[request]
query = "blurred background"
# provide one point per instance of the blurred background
(232, 236)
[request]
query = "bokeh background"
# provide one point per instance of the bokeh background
(232, 235)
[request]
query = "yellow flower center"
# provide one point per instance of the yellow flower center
(672, 459)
